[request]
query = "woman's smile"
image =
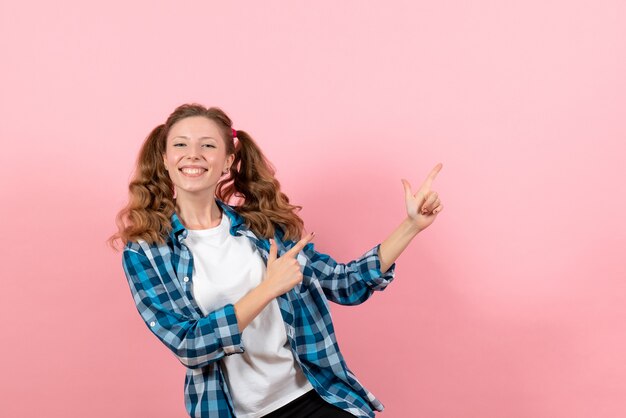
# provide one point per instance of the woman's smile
(192, 171)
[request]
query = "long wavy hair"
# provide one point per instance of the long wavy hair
(250, 182)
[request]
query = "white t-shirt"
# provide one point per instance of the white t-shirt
(265, 376)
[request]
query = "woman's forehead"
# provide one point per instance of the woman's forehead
(195, 127)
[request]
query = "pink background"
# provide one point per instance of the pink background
(512, 304)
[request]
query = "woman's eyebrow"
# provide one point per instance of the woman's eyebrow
(186, 137)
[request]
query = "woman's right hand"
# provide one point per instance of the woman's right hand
(281, 275)
(284, 272)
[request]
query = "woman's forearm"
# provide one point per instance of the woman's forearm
(248, 307)
(391, 248)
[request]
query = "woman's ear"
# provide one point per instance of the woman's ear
(229, 160)
(165, 162)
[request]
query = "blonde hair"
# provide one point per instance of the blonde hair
(250, 181)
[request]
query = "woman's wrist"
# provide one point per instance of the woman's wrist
(264, 291)
(391, 248)
(410, 227)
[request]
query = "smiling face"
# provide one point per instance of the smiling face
(195, 156)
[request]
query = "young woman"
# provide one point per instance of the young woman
(235, 291)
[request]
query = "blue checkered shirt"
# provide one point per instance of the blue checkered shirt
(160, 280)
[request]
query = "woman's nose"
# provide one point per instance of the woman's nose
(193, 152)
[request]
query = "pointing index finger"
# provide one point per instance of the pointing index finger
(293, 251)
(431, 177)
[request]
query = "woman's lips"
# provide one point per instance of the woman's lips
(192, 172)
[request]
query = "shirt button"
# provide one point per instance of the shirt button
(152, 323)
(186, 279)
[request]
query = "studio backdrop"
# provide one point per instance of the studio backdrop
(511, 305)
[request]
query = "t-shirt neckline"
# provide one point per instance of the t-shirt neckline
(215, 230)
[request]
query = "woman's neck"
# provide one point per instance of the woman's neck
(198, 212)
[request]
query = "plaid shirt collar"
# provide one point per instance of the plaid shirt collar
(179, 232)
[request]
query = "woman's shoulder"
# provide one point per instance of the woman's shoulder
(142, 246)
(134, 246)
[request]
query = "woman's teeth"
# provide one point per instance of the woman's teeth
(192, 171)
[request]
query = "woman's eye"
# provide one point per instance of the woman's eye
(181, 144)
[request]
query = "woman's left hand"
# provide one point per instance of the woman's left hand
(423, 207)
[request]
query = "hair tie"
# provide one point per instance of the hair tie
(234, 133)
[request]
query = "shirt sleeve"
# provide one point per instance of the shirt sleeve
(351, 283)
(195, 342)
